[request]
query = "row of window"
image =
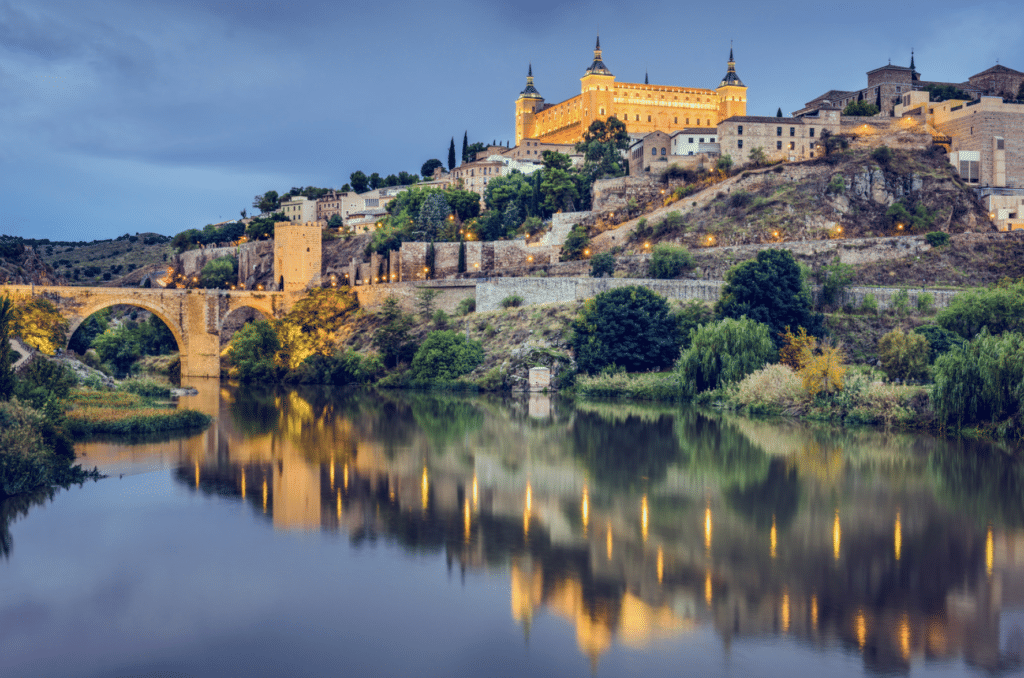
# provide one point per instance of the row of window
(778, 131)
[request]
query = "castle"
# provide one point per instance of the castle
(644, 108)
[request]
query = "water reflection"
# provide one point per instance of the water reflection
(638, 525)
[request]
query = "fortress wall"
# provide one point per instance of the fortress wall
(192, 261)
(372, 297)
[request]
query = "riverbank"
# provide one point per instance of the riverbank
(91, 412)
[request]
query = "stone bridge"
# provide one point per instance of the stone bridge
(195, 317)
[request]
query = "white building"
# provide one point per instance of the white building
(299, 209)
(696, 140)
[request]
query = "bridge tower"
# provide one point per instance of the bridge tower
(298, 253)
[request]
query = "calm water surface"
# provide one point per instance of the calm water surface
(321, 533)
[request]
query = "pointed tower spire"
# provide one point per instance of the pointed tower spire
(646, 81)
(530, 92)
(911, 58)
(598, 67)
(730, 75)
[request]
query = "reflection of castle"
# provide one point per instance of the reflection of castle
(791, 543)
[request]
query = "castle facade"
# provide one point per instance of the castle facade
(644, 108)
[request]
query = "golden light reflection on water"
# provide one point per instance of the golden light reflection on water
(860, 624)
(897, 537)
(585, 510)
(784, 611)
(707, 587)
(905, 636)
(264, 495)
(339, 506)
(197, 475)
(814, 611)
(332, 474)
(989, 551)
(527, 510)
(609, 544)
(425, 489)
(476, 494)
(774, 538)
(837, 536)
(345, 477)
(643, 518)
(466, 521)
(707, 527)
(661, 565)
(243, 483)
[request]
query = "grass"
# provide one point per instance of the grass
(124, 413)
(661, 386)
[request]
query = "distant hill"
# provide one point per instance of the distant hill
(99, 261)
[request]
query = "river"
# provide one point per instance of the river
(318, 532)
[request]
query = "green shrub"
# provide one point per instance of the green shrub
(834, 279)
(602, 264)
(466, 306)
(147, 388)
(937, 238)
(870, 304)
(575, 244)
(392, 338)
(901, 301)
(998, 310)
(837, 185)
(440, 319)
(669, 261)
(925, 303)
(981, 383)
(445, 355)
(252, 351)
(689, 317)
(904, 356)
(882, 155)
(512, 301)
(643, 386)
(724, 352)
(939, 339)
(628, 326)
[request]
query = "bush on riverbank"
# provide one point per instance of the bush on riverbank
(663, 386)
(122, 413)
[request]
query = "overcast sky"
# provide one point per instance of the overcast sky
(124, 116)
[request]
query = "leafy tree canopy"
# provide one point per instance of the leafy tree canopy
(862, 108)
(724, 352)
(252, 351)
(946, 92)
(39, 324)
(427, 170)
(446, 355)
(220, 273)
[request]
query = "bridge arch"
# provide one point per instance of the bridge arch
(156, 309)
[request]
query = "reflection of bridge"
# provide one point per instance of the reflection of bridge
(194, 317)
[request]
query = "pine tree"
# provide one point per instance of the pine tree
(465, 146)
(451, 155)
(778, 113)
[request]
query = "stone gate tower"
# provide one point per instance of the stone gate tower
(298, 252)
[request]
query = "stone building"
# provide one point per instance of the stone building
(887, 85)
(533, 149)
(298, 252)
(695, 141)
(652, 153)
(299, 209)
(644, 108)
(788, 139)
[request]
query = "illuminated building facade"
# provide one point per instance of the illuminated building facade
(643, 107)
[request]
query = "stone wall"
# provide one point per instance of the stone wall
(192, 261)
(372, 297)
(255, 262)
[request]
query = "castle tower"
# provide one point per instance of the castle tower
(597, 88)
(732, 93)
(528, 103)
(298, 255)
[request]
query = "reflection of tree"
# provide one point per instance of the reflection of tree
(776, 496)
(981, 479)
(445, 419)
(16, 507)
(626, 453)
(253, 410)
(719, 450)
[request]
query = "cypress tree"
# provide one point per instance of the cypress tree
(465, 146)
(430, 259)
(462, 256)
(778, 113)
(6, 357)
(451, 155)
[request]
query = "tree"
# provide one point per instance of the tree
(669, 261)
(465, 204)
(120, 346)
(360, 184)
(822, 371)
(778, 113)
(602, 146)
(559, 191)
(946, 92)
(509, 189)
(555, 160)
(6, 354)
(335, 221)
(446, 355)
(724, 352)
(451, 155)
(406, 179)
(462, 257)
(465, 146)
(392, 337)
(427, 170)
(40, 324)
(628, 327)
(220, 273)
(834, 278)
(252, 351)
(432, 217)
(903, 356)
(996, 310)
(473, 149)
(757, 156)
(268, 202)
(724, 163)
(689, 317)
(602, 264)
(425, 302)
(576, 243)
(771, 290)
(861, 108)
(979, 383)
(375, 181)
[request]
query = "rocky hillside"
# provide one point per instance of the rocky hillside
(22, 265)
(857, 193)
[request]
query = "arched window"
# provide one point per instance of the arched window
(638, 117)
(663, 150)
(654, 151)
(648, 118)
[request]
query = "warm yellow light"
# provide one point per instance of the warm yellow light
(814, 611)
(264, 495)
(905, 636)
(707, 528)
(774, 537)
(344, 476)
(466, 521)
(897, 536)
(339, 505)
(424, 489)
(989, 552)
(784, 612)
(861, 624)
(661, 565)
(837, 535)
(609, 541)
(707, 586)
(476, 493)
(585, 510)
(643, 518)
(586, 253)
(197, 475)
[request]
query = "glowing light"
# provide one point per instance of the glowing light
(344, 477)
(476, 494)
(661, 565)
(609, 541)
(989, 552)
(332, 474)
(264, 495)
(643, 517)
(339, 505)
(243, 483)
(905, 636)
(814, 611)
(197, 475)
(466, 521)
(585, 510)
(897, 536)
(784, 611)
(707, 587)
(837, 535)
(774, 538)
(707, 528)
(861, 626)
(425, 489)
